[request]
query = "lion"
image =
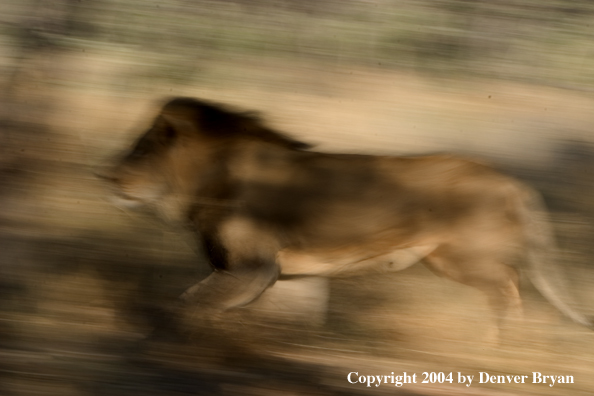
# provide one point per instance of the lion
(267, 207)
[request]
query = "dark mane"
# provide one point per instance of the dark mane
(218, 120)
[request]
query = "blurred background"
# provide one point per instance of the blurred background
(81, 282)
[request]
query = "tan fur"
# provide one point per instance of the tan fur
(267, 208)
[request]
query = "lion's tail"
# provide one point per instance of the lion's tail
(544, 273)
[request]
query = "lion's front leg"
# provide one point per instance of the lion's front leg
(244, 256)
(224, 289)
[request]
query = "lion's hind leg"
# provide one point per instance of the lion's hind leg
(500, 282)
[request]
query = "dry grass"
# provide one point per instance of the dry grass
(411, 321)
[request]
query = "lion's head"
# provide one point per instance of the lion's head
(167, 165)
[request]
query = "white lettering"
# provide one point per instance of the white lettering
(349, 377)
(553, 377)
(538, 378)
(505, 379)
(484, 377)
(465, 378)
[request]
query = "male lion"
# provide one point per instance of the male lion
(265, 207)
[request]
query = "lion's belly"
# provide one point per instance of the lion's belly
(337, 263)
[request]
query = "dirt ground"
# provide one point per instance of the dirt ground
(82, 281)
